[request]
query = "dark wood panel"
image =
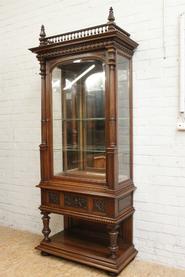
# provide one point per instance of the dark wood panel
(124, 202)
(54, 197)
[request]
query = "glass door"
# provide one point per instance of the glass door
(78, 96)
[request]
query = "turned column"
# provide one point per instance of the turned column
(113, 237)
(46, 230)
(111, 121)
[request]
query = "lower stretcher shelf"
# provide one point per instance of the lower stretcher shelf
(88, 251)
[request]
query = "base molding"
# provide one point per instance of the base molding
(93, 253)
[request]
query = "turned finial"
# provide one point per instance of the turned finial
(42, 35)
(111, 17)
(42, 32)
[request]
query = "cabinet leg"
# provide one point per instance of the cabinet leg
(113, 274)
(46, 230)
(43, 253)
(113, 236)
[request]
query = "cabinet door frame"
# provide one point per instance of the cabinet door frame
(50, 65)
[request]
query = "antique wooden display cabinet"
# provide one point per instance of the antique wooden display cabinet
(86, 149)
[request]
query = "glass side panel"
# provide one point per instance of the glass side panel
(123, 119)
(78, 90)
(57, 119)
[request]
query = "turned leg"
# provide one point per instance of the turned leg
(113, 274)
(113, 236)
(46, 230)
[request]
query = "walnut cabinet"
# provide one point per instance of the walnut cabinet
(86, 149)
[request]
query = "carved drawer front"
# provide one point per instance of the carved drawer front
(75, 201)
(53, 198)
(99, 205)
(70, 201)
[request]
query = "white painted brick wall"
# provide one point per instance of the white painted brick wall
(159, 149)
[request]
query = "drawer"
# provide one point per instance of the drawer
(78, 202)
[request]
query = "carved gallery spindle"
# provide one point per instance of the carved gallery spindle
(86, 146)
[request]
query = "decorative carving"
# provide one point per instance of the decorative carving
(42, 36)
(42, 68)
(92, 31)
(112, 57)
(70, 50)
(99, 205)
(124, 49)
(85, 47)
(82, 33)
(111, 17)
(46, 230)
(113, 235)
(54, 197)
(93, 217)
(75, 201)
(111, 20)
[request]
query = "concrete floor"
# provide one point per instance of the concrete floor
(18, 258)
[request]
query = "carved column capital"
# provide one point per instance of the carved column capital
(42, 68)
(111, 56)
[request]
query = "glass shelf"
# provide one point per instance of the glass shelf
(78, 119)
(90, 150)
